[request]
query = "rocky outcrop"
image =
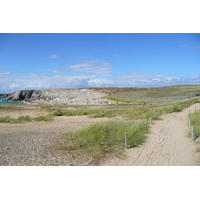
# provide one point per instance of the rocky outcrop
(57, 95)
(5, 95)
(21, 95)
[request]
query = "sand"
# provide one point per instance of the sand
(166, 145)
(32, 143)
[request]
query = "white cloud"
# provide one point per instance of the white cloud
(99, 67)
(13, 82)
(152, 80)
(101, 83)
(13, 86)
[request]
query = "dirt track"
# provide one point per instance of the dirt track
(167, 144)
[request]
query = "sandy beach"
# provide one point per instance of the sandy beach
(33, 143)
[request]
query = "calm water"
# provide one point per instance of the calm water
(4, 101)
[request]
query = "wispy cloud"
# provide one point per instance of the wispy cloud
(53, 56)
(99, 67)
(153, 80)
(92, 67)
(190, 46)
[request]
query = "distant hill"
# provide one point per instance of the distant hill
(152, 95)
(133, 95)
(157, 92)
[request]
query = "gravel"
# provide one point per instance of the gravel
(33, 143)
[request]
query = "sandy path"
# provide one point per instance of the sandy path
(167, 144)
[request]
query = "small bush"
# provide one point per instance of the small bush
(20, 119)
(58, 113)
(23, 119)
(177, 108)
(6, 119)
(43, 118)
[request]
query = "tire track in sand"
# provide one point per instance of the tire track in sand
(166, 145)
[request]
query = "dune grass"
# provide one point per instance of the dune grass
(107, 137)
(143, 112)
(134, 113)
(23, 119)
(195, 121)
(46, 118)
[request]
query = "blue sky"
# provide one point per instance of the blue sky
(77, 60)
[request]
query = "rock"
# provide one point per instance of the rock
(57, 95)
(7, 148)
(70, 164)
(21, 95)
(5, 95)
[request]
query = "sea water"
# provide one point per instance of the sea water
(4, 101)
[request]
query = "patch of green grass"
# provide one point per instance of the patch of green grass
(58, 113)
(134, 113)
(20, 119)
(107, 137)
(47, 118)
(157, 92)
(23, 119)
(195, 121)
(6, 119)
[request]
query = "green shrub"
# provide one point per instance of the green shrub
(20, 119)
(6, 119)
(58, 113)
(43, 118)
(177, 108)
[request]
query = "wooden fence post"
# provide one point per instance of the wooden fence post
(189, 121)
(188, 113)
(126, 140)
(150, 120)
(192, 131)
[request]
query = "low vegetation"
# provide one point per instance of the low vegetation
(20, 119)
(107, 137)
(195, 121)
(23, 119)
(133, 113)
(157, 92)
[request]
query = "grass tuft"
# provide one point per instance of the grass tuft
(107, 137)
(20, 119)
(44, 118)
(195, 121)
